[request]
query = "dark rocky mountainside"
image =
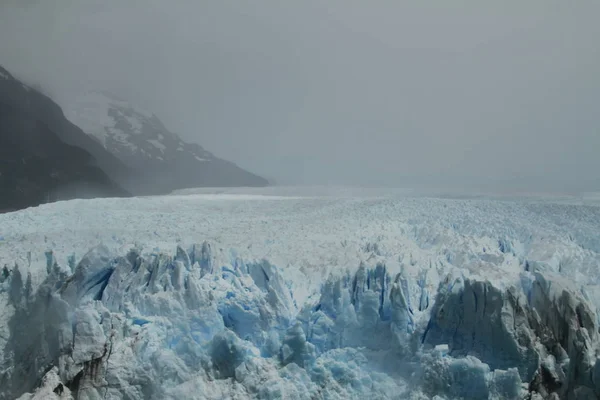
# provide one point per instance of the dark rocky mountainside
(43, 156)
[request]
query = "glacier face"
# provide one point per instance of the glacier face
(500, 307)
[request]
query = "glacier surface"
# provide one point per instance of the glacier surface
(337, 297)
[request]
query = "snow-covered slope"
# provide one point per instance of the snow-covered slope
(129, 132)
(250, 296)
(142, 141)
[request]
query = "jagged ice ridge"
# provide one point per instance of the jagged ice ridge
(211, 322)
(165, 327)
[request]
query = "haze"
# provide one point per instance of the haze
(388, 93)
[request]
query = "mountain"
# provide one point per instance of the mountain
(43, 156)
(140, 140)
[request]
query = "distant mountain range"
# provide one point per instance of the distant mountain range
(103, 147)
(141, 141)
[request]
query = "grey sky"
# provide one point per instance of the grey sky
(395, 93)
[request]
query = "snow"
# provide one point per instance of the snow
(91, 115)
(136, 124)
(157, 144)
(302, 293)
(121, 138)
(119, 127)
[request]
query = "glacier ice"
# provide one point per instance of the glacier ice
(197, 326)
(409, 299)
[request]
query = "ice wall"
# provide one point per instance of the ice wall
(197, 325)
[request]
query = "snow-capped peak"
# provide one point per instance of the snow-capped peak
(133, 134)
(162, 160)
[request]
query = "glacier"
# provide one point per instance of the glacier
(412, 299)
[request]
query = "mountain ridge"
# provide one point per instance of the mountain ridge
(142, 142)
(43, 156)
(121, 150)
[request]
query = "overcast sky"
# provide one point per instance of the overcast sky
(395, 93)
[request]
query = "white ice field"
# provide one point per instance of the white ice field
(301, 293)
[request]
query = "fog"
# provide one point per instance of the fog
(390, 93)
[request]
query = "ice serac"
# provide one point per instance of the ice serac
(549, 334)
(567, 329)
(365, 310)
(90, 277)
(208, 323)
(40, 332)
(146, 327)
(475, 318)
